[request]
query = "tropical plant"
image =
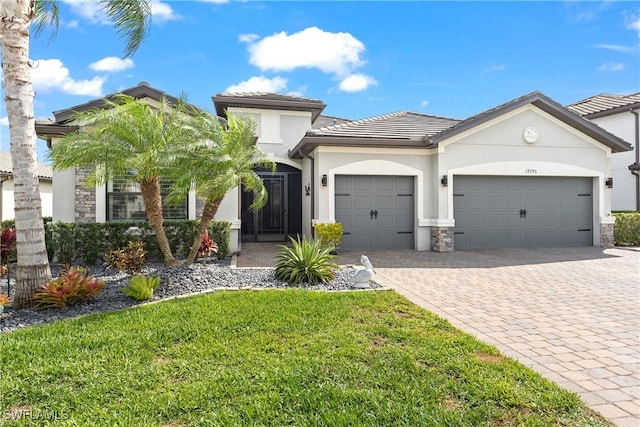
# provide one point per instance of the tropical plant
(7, 245)
(130, 259)
(131, 138)
(141, 287)
(330, 234)
(4, 300)
(74, 285)
(207, 246)
(224, 158)
(131, 19)
(306, 261)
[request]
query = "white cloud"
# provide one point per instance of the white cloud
(94, 11)
(4, 121)
(611, 66)
(71, 24)
(335, 53)
(424, 103)
(495, 68)
(357, 83)
(50, 75)
(616, 48)
(215, 1)
(248, 38)
(112, 64)
(162, 12)
(259, 84)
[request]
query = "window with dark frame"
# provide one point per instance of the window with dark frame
(125, 203)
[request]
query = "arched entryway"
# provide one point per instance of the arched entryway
(282, 215)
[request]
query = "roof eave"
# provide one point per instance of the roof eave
(310, 143)
(611, 111)
(222, 102)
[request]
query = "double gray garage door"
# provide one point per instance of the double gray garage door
(375, 211)
(506, 211)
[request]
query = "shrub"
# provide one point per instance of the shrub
(329, 234)
(7, 245)
(4, 270)
(130, 259)
(4, 300)
(626, 230)
(74, 285)
(207, 246)
(307, 261)
(141, 287)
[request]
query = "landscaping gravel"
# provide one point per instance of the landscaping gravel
(175, 281)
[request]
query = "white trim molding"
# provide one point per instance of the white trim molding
(436, 222)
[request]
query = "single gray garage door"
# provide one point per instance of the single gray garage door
(506, 211)
(375, 211)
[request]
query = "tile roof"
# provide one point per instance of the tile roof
(401, 124)
(6, 167)
(604, 103)
(271, 96)
(323, 121)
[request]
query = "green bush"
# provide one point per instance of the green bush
(141, 287)
(87, 242)
(626, 230)
(307, 261)
(330, 234)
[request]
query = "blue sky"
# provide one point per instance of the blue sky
(361, 58)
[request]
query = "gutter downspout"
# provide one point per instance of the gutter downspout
(637, 148)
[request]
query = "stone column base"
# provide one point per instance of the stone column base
(606, 235)
(442, 239)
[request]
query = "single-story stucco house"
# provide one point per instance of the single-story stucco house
(527, 173)
(7, 204)
(620, 115)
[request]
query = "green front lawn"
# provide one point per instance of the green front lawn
(272, 358)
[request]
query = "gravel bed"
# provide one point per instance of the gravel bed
(175, 282)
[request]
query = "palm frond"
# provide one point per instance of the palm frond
(131, 19)
(47, 15)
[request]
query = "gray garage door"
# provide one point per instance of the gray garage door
(504, 211)
(375, 211)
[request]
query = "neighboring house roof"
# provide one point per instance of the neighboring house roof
(47, 127)
(418, 130)
(6, 167)
(323, 121)
(605, 104)
(268, 101)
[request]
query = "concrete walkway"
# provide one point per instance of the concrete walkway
(571, 314)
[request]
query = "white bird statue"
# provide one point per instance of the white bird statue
(361, 278)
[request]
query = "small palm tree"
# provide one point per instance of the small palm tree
(131, 19)
(130, 137)
(225, 158)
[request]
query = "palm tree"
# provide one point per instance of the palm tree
(223, 159)
(130, 137)
(131, 19)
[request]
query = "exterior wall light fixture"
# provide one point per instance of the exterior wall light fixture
(324, 180)
(444, 181)
(609, 182)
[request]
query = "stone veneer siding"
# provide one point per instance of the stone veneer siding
(85, 203)
(606, 235)
(442, 239)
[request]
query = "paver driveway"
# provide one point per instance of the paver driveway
(571, 314)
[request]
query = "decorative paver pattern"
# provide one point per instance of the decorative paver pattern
(571, 314)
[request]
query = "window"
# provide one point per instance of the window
(124, 202)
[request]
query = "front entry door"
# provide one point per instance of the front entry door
(281, 215)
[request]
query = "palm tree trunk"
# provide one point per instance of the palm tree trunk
(208, 212)
(150, 189)
(33, 264)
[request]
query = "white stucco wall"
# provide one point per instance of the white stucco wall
(8, 204)
(624, 182)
